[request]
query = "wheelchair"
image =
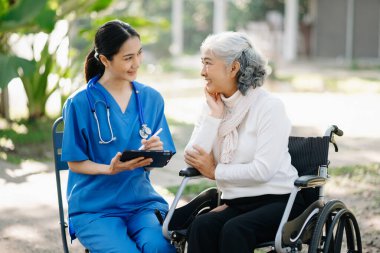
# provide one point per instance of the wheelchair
(324, 226)
(57, 132)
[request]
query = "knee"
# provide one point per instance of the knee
(201, 225)
(232, 231)
(158, 245)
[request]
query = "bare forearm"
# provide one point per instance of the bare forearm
(89, 167)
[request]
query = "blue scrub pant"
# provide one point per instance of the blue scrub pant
(140, 232)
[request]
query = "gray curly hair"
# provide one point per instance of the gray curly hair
(236, 46)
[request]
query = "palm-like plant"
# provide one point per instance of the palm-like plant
(30, 16)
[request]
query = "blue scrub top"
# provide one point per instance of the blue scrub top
(124, 192)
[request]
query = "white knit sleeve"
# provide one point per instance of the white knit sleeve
(273, 129)
(205, 131)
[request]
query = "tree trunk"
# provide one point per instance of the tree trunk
(4, 103)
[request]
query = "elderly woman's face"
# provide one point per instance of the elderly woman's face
(217, 75)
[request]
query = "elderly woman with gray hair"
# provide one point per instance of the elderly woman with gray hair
(241, 142)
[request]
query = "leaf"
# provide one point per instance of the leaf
(4, 6)
(46, 19)
(9, 65)
(100, 5)
(7, 73)
(20, 14)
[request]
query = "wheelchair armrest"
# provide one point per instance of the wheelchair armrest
(309, 181)
(189, 172)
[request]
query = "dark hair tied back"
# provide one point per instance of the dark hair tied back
(108, 40)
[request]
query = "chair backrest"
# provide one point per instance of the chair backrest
(308, 153)
(57, 131)
(57, 144)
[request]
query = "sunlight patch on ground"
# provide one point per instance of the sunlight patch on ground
(30, 191)
(22, 233)
(27, 168)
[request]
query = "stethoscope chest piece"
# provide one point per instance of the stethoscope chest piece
(145, 131)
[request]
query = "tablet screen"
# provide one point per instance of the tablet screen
(160, 157)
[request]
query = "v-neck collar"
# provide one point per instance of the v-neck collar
(115, 106)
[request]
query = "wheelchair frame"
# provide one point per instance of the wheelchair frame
(321, 226)
(57, 135)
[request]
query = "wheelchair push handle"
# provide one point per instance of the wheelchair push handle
(331, 132)
(337, 131)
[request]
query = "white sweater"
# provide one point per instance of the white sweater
(261, 163)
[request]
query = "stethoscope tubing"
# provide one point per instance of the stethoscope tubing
(144, 129)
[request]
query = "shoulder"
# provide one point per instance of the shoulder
(265, 103)
(148, 91)
(77, 98)
(266, 99)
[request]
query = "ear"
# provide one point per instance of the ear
(235, 67)
(103, 60)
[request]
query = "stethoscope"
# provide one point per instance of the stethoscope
(144, 131)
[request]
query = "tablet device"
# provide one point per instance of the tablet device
(160, 157)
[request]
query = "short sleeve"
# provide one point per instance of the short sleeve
(74, 144)
(165, 135)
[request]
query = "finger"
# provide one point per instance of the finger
(135, 160)
(154, 143)
(208, 95)
(192, 154)
(116, 158)
(156, 146)
(190, 162)
(199, 149)
(144, 162)
(153, 139)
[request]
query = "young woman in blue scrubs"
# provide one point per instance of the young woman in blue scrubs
(111, 203)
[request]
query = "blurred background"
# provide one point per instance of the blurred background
(323, 59)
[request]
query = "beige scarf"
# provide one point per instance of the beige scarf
(236, 108)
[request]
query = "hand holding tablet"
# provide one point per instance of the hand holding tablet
(160, 157)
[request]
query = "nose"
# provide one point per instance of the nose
(203, 71)
(136, 62)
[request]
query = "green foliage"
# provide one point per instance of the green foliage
(358, 172)
(8, 67)
(192, 190)
(34, 76)
(24, 141)
(27, 16)
(4, 6)
(99, 5)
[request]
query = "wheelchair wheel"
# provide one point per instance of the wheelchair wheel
(336, 230)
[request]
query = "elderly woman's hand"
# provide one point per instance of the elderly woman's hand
(215, 104)
(202, 161)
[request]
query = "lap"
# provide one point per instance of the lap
(144, 226)
(111, 230)
(140, 232)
